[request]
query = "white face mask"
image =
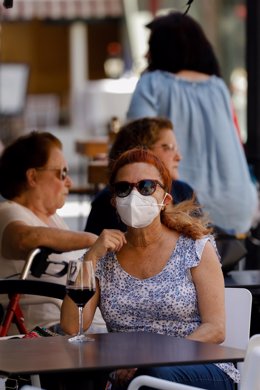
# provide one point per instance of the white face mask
(137, 210)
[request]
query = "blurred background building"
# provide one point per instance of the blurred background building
(69, 66)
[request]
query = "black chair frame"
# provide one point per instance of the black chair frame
(37, 263)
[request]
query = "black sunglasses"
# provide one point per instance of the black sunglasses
(145, 187)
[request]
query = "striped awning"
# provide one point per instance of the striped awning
(62, 9)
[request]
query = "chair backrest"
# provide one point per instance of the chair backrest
(250, 375)
(43, 292)
(37, 263)
(32, 287)
(238, 305)
(254, 341)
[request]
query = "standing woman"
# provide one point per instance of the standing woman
(183, 83)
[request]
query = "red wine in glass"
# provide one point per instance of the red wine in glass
(80, 295)
(80, 287)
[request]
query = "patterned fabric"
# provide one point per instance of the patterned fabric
(165, 303)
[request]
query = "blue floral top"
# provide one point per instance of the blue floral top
(165, 303)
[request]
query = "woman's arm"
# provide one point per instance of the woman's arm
(109, 240)
(69, 319)
(19, 239)
(209, 282)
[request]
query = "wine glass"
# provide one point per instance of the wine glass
(80, 287)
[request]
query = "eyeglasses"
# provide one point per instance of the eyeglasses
(62, 172)
(145, 187)
(168, 148)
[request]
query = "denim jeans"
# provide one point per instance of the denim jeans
(206, 376)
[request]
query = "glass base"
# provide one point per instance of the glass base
(80, 338)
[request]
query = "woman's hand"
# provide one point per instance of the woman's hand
(109, 240)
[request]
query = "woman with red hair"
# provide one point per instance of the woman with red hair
(166, 278)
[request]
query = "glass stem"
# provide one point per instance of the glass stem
(80, 321)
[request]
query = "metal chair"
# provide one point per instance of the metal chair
(156, 383)
(37, 263)
(238, 306)
(250, 376)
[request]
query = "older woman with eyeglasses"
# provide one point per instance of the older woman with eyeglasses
(155, 134)
(35, 183)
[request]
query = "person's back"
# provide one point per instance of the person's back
(198, 103)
